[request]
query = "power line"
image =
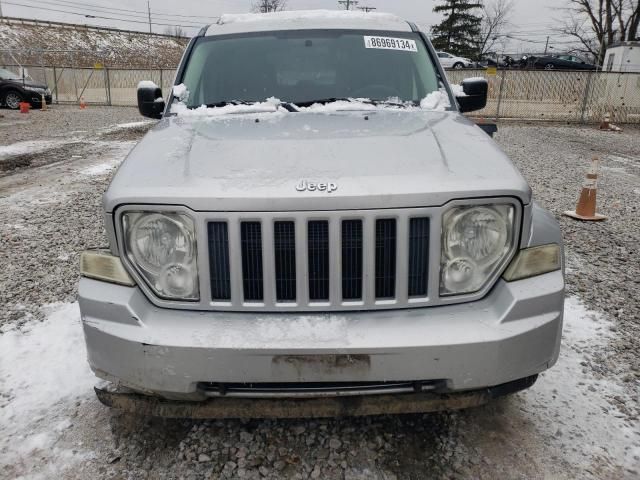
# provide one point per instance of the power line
(367, 9)
(94, 6)
(120, 19)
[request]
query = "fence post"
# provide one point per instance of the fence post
(161, 83)
(585, 99)
(107, 85)
(504, 72)
(55, 85)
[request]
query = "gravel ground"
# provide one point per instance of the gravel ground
(579, 420)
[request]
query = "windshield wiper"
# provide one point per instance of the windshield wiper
(308, 103)
(290, 107)
(366, 101)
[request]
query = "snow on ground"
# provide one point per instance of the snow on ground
(29, 147)
(577, 403)
(43, 373)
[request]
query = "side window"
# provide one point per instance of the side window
(442, 55)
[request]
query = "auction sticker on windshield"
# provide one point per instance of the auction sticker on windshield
(389, 43)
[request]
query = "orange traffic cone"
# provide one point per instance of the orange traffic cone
(606, 121)
(83, 104)
(43, 105)
(586, 208)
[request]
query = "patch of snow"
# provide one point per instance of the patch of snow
(99, 169)
(133, 124)
(147, 84)
(602, 430)
(438, 101)
(30, 146)
(181, 92)
(43, 373)
(458, 90)
(271, 105)
(475, 79)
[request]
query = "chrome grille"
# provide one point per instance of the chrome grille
(346, 260)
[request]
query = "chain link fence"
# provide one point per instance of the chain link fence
(583, 97)
(558, 96)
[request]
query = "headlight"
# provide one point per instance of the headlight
(475, 241)
(162, 248)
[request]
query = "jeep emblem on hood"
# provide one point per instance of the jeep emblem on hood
(306, 186)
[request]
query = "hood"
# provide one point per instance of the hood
(26, 82)
(256, 162)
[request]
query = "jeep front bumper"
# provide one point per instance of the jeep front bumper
(513, 333)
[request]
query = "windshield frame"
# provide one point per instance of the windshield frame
(202, 37)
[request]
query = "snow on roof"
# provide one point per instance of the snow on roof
(307, 19)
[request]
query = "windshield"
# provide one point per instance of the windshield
(301, 67)
(7, 75)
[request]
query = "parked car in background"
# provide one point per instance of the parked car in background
(15, 89)
(448, 60)
(562, 62)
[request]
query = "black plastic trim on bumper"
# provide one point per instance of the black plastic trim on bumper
(337, 406)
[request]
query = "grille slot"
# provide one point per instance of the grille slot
(252, 275)
(418, 256)
(385, 258)
(219, 261)
(352, 259)
(318, 259)
(284, 240)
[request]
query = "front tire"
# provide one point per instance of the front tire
(12, 99)
(549, 66)
(458, 66)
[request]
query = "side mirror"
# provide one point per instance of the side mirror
(475, 95)
(150, 101)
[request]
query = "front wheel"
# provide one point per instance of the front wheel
(549, 66)
(458, 66)
(12, 100)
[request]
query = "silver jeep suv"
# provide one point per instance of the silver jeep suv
(314, 229)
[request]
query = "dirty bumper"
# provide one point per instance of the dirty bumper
(340, 406)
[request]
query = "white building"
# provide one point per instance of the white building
(622, 57)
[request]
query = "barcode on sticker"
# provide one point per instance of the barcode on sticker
(390, 43)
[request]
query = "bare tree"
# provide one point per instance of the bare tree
(267, 6)
(595, 24)
(495, 18)
(175, 31)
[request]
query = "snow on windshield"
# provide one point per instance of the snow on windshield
(436, 101)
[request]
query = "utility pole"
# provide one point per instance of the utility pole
(367, 9)
(546, 46)
(0, 8)
(347, 3)
(149, 12)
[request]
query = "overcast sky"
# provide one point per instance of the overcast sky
(532, 20)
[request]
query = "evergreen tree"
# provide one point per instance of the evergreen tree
(459, 30)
